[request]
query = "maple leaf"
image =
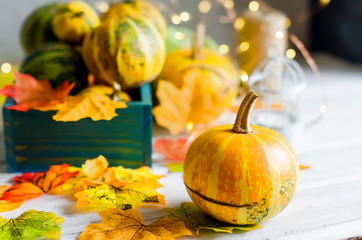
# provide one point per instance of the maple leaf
(118, 224)
(98, 186)
(172, 149)
(86, 104)
(29, 93)
(174, 108)
(195, 219)
(100, 197)
(31, 224)
(49, 180)
(200, 100)
(32, 185)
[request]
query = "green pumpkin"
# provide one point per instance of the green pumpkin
(37, 28)
(130, 51)
(58, 63)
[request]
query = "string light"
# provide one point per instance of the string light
(175, 19)
(204, 6)
(185, 16)
(224, 49)
(5, 67)
(239, 23)
(244, 46)
(279, 34)
(244, 76)
(229, 4)
(323, 108)
(287, 22)
(179, 36)
(190, 126)
(254, 6)
(324, 3)
(101, 6)
(290, 53)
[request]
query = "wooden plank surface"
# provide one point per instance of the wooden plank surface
(327, 203)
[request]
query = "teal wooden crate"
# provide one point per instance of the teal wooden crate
(34, 141)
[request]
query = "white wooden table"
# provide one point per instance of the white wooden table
(328, 201)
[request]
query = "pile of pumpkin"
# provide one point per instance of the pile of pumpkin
(65, 41)
(127, 45)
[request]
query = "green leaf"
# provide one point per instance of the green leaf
(196, 220)
(31, 224)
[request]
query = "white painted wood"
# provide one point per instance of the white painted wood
(328, 201)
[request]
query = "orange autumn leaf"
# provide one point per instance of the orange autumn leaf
(29, 93)
(87, 104)
(172, 149)
(32, 185)
(199, 101)
(174, 108)
(47, 181)
(118, 224)
(98, 186)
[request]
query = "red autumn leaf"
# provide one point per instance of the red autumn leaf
(29, 93)
(54, 177)
(32, 185)
(172, 149)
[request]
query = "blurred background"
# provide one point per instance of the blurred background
(322, 25)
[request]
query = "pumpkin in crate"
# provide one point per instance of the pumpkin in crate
(57, 62)
(37, 28)
(137, 8)
(130, 51)
(241, 174)
(74, 21)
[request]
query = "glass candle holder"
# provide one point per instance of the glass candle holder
(280, 83)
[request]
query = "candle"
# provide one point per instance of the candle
(262, 33)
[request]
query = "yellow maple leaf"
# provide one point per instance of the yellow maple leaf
(201, 99)
(174, 108)
(100, 197)
(92, 102)
(118, 224)
(98, 186)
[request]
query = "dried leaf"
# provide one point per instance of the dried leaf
(31, 225)
(98, 186)
(172, 149)
(29, 93)
(32, 185)
(196, 220)
(199, 101)
(89, 104)
(118, 224)
(174, 108)
(100, 197)
(49, 180)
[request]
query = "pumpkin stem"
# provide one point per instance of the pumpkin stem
(198, 41)
(241, 124)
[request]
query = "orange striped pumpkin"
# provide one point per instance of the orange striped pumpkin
(241, 174)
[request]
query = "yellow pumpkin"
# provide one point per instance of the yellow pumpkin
(241, 174)
(130, 51)
(74, 21)
(137, 8)
(215, 75)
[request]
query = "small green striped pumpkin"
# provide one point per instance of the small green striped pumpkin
(57, 62)
(130, 51)
(37, 27)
